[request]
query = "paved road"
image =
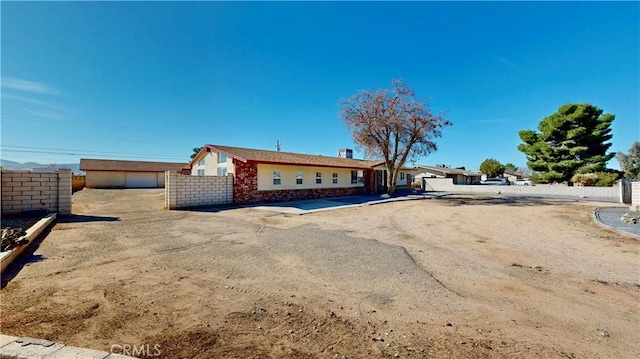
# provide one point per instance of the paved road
(610, 217)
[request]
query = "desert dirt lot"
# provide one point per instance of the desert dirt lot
(460, 276)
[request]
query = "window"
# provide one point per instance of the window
(222, 158)
(201, 162)
(277, 179)
(299, 177)
(335, 178)
(354, 177)
(318, 177)
(201, 172)
(222, 171)
(401, 176)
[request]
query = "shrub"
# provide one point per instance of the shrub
(598, 179)
(606, 179)
(584, 179)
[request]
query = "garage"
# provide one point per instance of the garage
(126, 174)
(141, 180)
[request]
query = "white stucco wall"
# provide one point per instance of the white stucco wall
(288, 177)
(105, 179)
(211, 164)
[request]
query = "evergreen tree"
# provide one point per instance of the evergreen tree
(570, 141)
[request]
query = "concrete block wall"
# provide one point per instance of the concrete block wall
(446, 185)
(635, 196)
(185, 191)
(24, 191)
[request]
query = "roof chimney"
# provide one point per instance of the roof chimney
(345, 153)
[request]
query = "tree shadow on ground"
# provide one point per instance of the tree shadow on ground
(516, 201)
(25, 258)
(79, 218)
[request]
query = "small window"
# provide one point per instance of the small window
(334, 180)
(222, 171)
(360, 176)
(318, 177)
(354, 177)
(299, 177)
(201, 172)
(401, 176)
(222, 158)
(277, 179)
(201, 162)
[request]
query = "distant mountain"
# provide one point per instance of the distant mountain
(13, 165)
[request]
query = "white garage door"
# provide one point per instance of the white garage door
(141, 180)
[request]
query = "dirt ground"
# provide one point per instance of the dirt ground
(456, 277)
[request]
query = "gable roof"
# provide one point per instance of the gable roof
(517, 174)
(90, 164)
(288, 158)
(447, 170)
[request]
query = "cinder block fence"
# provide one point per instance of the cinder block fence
(635, 196)
(24, 191)
(185, 191)
(446, 184)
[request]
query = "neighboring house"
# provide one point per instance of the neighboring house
(512, 176)
(126, 174)
(459, 176)
(268, 176)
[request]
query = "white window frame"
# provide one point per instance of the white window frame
(334, 178)
(200, 171)
(299, 177)
(318, 177)
(277, 178)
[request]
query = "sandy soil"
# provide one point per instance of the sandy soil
(462, 276)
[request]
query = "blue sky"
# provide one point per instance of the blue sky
(152, 80)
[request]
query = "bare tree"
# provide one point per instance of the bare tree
(393, 125)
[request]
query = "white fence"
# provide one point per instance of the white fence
(446, 185)
(635, 196)
(185, 191)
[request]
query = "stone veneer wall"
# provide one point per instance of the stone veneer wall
(24, 191)
(446, 184)
(245, 188)
(186, 191)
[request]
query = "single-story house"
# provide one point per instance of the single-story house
(126, 174)
(512, 176)
(460, 176)
(269, 176)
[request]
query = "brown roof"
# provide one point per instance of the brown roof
(89, 164)
(264, 156)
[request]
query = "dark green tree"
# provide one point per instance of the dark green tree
(510, 167)
(195, 151)
(630, 163)
(492, 168)
(570, 141)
